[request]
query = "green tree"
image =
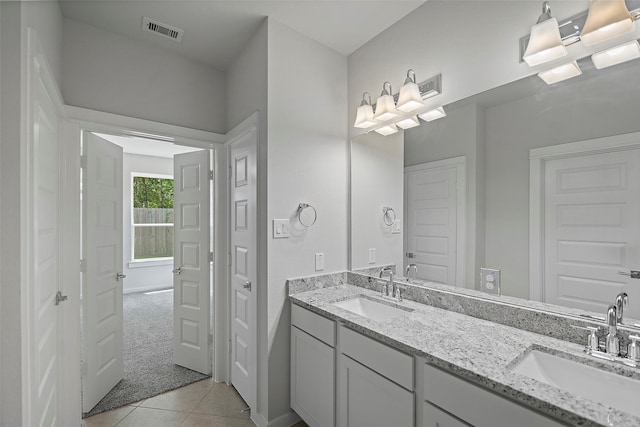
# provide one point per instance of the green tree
(152, 192)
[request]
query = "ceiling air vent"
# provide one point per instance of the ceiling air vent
(163, 29)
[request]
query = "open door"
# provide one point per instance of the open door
(103, 365)
(191, 290)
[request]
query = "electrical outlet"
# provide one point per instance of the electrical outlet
(372, 255)
(396, 228)
(320, 261)
(490, 281)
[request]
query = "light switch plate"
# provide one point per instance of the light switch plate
(281, 228)
(490, 281)
(320, 261)
(372, 255)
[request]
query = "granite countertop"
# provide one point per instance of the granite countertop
(477, 350)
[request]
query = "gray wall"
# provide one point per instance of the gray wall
(107, 72)
(577, 110)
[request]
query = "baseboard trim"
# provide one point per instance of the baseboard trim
(148, 288)
(285, 420)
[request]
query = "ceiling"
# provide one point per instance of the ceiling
(217, 31)
(147, 147)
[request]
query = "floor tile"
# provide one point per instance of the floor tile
(108, 419)
(207, 420)
(223, 400)
(150, 417)
(183, 399)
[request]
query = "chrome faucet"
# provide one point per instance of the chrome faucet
(414, 268)
(612, 343)
(621, 300)
(388, 286)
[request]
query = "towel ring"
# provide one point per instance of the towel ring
(386, 214)
(307, 215)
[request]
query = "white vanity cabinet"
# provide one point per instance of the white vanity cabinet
(450, 401)
(313, 367)
(375, 383)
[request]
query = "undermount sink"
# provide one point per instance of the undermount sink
(582, 380)
(372, 309)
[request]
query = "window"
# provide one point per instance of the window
(152, 217)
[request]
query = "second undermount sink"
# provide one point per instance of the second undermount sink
(582, 380)
(372, 309)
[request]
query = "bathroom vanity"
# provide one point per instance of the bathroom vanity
(360, 359)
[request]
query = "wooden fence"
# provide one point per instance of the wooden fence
(153, 241)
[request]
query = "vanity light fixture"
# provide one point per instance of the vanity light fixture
(607, 19)
(545, 43)
(364, 114)
(432, 115)
(408, 123)
(616, 55)
(385, 105)
(560, 73)
(409, 98)
(387, 129)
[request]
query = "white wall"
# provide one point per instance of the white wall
(15, 18)
(307, 162)
(247, 89)
(107, 72)
(458, 134)
(377, 164)
(577, 110)
(141, 278)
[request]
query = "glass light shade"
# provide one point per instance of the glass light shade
(616, 55)
(409, 98)
(387, 130)
(432, 115)
(607, 19)
(385, 108)
(364, 117)
(545, 43)
(408, 123)
(560, 73)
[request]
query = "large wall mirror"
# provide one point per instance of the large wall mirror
(462, 191)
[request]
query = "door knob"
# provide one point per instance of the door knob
(634, 274)
(177, 271)
(120, 276)
(247, 285)
(60, 298)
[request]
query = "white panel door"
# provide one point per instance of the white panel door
(191, 279)
(431, 198)
(102, 282)
(45, 358)
(592, 230)
(243, 263)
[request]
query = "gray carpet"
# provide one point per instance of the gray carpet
(148, 353)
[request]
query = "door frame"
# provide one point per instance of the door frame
(538, 158)
(246, 126)
(81, 120)
(460, 164)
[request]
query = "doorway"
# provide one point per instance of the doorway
(121, 239)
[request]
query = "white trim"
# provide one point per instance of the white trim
(460, 164)
(149, 288)
(154, 262)
(80, 120)
(537, 163)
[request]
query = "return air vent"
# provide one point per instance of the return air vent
(162, 29)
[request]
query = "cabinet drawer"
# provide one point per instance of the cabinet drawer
(391, 363)
(475, 405)
(436, 417)
(314, 324)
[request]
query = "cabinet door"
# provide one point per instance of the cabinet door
(436, 417)
(367, 399)
(312, 379)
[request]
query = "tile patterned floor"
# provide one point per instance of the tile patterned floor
(201, 404)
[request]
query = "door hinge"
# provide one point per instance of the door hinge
(83, 266)
(230, 172)
(229, 259)
(211, 175)
(210, 256)
(83, 161)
